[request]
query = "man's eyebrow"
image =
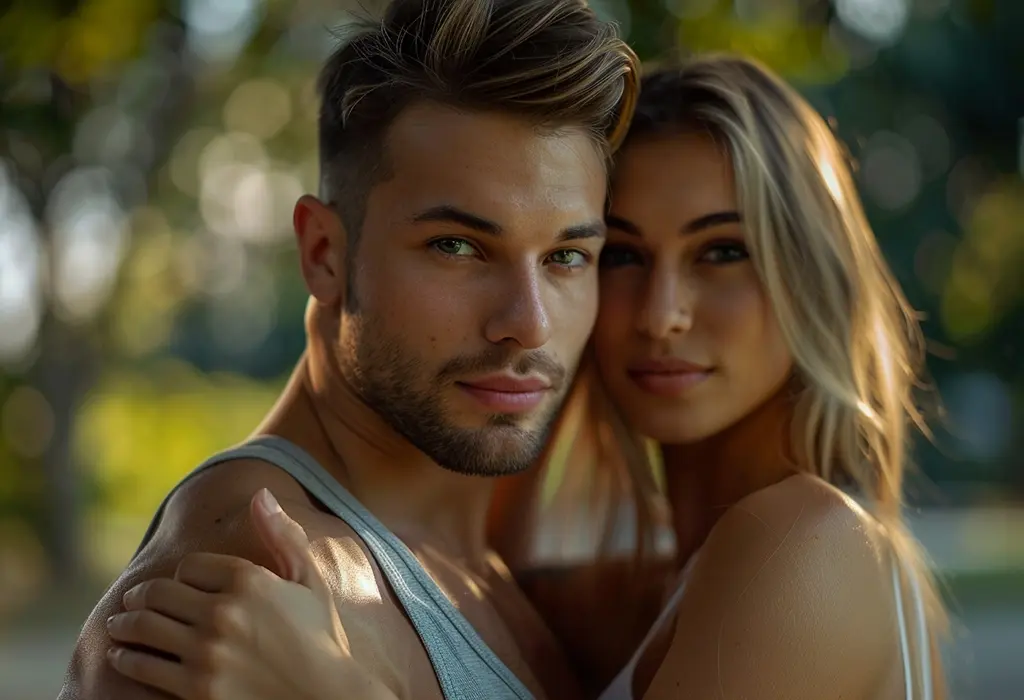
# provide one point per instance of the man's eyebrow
(448, 214)
(594, 229)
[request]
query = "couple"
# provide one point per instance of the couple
(375, 537)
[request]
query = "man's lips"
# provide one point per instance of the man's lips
(506, 393)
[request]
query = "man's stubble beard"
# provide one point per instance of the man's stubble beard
(390, 381)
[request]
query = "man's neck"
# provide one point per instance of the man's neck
(426, 505)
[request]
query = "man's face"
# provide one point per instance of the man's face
(475, 277)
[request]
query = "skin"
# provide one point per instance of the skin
(439, 302)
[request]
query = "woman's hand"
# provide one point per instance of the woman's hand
(227, 629)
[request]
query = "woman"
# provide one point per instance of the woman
(749, 325)
(750, 328)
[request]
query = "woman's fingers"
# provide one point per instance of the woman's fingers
(288, 543)
(152, 671)
(171, 598)
(152, 630)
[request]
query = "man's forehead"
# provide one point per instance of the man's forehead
(480, 160)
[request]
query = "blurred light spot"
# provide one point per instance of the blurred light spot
(981, 414)
(29, 86)
(308, 101)
(774, 11)
(259, 107)
(144, 85)
(616, 11)
(967, 306)
(930, 9)
(890, 170)
(984, 283)
(860, 52)
(20, 272)
(108, 135)
(881, 21)
(966, 183)
(690, 9)
(307, 173)
(27, 422)
(240, 195)
(24, 153)
(24, 567)
(219, 29)
(1020, 146)
(933, 260)
(212, 265)
(241, 320)
(130, 185)
(143, 321)
(930, 141)
(229, 150)
(184, 162)
(90, 234)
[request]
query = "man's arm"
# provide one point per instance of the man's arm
(209, 513)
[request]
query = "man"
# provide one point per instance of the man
(452, 267)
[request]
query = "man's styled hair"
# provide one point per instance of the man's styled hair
(552, 62)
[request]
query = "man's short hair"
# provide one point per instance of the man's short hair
(552, 62)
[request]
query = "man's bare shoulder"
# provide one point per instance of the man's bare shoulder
(210, 513)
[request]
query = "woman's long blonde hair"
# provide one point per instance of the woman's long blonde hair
(855, 340)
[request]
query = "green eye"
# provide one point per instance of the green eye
(453, 247)
(568, 258)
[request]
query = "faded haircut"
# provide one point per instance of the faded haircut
(552, 62)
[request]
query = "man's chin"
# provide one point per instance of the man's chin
(493, 450)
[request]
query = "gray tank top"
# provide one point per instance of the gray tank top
(466, 667)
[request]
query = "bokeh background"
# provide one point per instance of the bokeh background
(150, 305)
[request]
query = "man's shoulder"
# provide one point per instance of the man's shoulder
(210, 512)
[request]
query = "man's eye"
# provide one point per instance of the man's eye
(453, 247)
(569, 258)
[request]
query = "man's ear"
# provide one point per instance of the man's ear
(322, 241)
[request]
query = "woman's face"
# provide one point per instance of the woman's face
(686, 341)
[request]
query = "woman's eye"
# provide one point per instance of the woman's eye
(569, 258)
(617, 255)
(725, 253)
(453, 247)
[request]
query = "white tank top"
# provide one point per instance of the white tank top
(621, 687)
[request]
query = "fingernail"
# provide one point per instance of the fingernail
(128, 597)
(269, 503)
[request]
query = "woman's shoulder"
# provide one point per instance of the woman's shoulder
(803, 534)
(792, 589)
(807, 511)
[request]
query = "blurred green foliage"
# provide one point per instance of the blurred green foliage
(201, 116)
